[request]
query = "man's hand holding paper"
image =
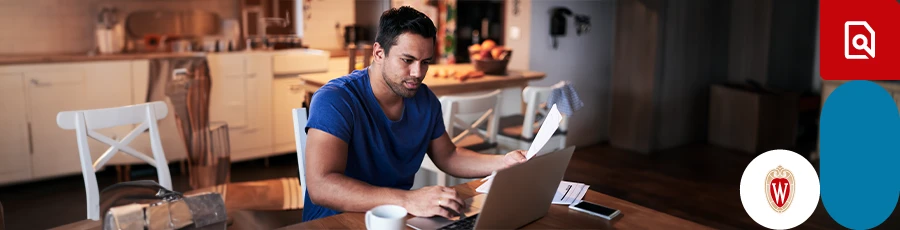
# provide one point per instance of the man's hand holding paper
(550, 125)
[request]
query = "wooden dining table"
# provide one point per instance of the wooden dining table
(558, 216)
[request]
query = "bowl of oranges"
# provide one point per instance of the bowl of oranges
(490, 58)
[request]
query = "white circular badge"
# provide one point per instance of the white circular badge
(780, 189)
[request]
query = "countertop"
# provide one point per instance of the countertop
(57, 58)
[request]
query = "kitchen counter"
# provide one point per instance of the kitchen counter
(447, 86)
(57, 58)
(61, 58)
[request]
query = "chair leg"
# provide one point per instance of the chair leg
(183, 164)
(127, 173)
(123, 173)
(119, 177)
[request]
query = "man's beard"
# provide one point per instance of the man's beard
(398, 88)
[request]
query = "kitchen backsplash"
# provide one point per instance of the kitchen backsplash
(67, 26)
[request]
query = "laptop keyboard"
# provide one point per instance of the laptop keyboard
(468, 223)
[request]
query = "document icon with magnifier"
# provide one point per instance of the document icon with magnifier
(860, 41)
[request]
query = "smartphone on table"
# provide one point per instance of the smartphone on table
(595, 209)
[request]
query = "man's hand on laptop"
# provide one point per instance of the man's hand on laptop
(433, 201)
(513, 158)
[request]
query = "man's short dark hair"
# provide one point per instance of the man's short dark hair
(405, 19)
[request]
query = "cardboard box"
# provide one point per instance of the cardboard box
(752, 119)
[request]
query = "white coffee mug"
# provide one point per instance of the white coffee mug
(386, 217)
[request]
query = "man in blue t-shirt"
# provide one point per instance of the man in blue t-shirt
(369, 131)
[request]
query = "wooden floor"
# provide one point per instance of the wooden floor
(696, 182)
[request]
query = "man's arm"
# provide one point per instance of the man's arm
(326, 160)
(461, 162)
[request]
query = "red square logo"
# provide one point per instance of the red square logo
(859, 40)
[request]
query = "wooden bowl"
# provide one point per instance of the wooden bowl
(492, 66)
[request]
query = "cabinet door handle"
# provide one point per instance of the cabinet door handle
(37, 82)
(296, 87)
(30, 142)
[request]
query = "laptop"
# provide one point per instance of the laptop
(518, 195)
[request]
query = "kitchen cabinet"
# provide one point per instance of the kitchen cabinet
(245, 90)
(49, 92)
(288, 94)
(15, 153)
(241, 96)
(51, 89)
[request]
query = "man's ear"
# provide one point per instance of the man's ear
(378, 52)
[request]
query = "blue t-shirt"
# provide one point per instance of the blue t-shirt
(381, 152)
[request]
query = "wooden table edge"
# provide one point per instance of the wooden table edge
(467, 190)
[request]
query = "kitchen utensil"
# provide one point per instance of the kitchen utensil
(110, 40)
(182, 45)
(108, 17)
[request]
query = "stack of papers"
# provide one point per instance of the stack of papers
(569, 192)
(550, 125)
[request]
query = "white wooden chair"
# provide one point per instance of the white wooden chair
(84, 122)
(466, 134)
(518, 131)
(300, 119)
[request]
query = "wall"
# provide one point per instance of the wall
(793, 44)
(54, 26)
(583, 60)
(816, 76)
(635, 71)
(521, 43)
(695, 39)
(668, 53)
(749, 40)
(773, 43)
(324, 28)
(368, 12)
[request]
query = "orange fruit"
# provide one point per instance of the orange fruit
(488, 44)
(497, 51)
(475, 48)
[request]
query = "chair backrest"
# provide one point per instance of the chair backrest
(485, 105)
(535, 103)
(84, 122)
(364, 50)
(300, 139)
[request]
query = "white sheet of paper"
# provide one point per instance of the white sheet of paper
(569, 192)
(550, 125)
(483, 188)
